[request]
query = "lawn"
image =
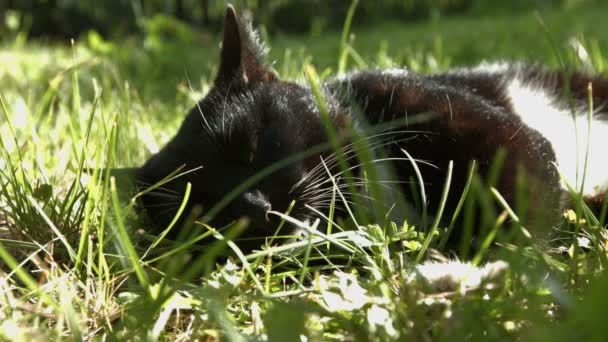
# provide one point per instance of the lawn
(76, 261)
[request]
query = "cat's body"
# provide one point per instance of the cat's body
(476, 111)
(250, 120)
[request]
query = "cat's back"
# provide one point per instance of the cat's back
(567, 108)
(552, 103)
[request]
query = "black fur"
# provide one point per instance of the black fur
(251, 120)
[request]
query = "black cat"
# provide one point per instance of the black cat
(251, 120)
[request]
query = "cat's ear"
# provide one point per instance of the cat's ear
(241, 54)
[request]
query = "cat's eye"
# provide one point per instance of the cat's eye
(254, 147)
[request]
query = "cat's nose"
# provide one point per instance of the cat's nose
(254, 205)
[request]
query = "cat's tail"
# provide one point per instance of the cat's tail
(578, 85)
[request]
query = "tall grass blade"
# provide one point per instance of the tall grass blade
(124, 238)
(344, 38)
(461, 201)
(439, 214)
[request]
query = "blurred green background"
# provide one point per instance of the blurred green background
(116, 18)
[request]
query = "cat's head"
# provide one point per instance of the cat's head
(248, 121)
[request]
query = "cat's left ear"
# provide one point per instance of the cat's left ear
(241, 54)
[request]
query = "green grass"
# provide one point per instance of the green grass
(74, 258)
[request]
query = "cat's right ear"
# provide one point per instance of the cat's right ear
(240, 56)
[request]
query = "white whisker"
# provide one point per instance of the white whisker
(209, 130)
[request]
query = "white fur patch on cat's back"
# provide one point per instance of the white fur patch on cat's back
(396, 72)
(539, 110)
(493, 67)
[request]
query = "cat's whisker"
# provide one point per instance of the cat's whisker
(369, 198)
(326, 194)
(346, 150)
(329, 196)
(161, 195)
(323, 216)
(328, 201)
(172, 208)
(321, 207)
(159, 188)
(162, 205)
(224, 108)
(332, 160)
(313, 173)
(319, 186)
(328, 190)
(200, 110)
(360, 181)
(325, 180)
(163, 192)
(369, 181)
(156, 193)
(381, 160)
(149, 185)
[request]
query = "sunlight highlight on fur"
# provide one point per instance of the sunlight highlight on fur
(541, 111)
